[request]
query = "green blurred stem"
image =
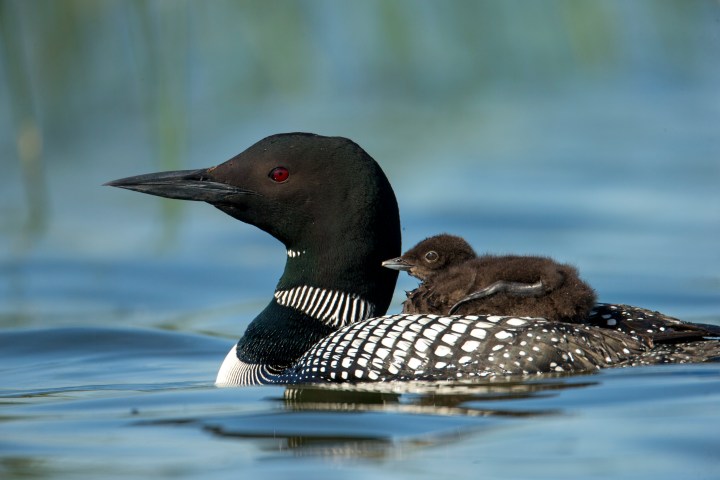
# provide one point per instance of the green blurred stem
(28, 134)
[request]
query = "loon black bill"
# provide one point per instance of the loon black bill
(182, 185)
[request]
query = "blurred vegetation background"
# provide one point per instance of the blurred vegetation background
(160, 72)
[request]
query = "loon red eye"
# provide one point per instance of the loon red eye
(279, 174)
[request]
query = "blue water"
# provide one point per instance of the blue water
(587, 133)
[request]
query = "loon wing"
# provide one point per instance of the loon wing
(501, 286)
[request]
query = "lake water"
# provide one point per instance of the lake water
(116, 309)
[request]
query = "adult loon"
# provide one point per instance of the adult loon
(456, 280)
(332, 207)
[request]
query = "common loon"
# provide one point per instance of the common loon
(332, 207)
(456, 280)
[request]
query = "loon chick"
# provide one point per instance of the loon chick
(455, 280)
(332, 207)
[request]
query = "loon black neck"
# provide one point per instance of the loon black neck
(317, 294)
(279, 336)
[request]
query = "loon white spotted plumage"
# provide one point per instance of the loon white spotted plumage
(432, 347)
(333, 208)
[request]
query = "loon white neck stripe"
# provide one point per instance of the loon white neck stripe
(329, 301)
(294, 253)
(333, 308)
(319, 302)
(293, 295)
(310, 293)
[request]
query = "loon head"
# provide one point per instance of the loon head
(325, 198)
(432, 256)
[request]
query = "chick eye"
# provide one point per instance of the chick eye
(431, 256)
(279, 174)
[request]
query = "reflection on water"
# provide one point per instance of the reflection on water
(346, 436)
(376, 420)
(430, 398)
